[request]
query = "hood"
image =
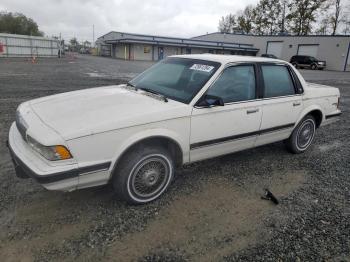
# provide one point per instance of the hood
(102, 109)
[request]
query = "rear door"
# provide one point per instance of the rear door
(282, 102)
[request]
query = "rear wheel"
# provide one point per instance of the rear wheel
(144, 174)
(302, 136)
(295, 65)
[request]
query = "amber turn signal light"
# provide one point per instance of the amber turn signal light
(62, 152)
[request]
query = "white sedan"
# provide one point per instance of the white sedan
(183, 109)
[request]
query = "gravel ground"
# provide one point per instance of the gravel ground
(212, 212)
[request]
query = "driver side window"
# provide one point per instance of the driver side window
(236, 83)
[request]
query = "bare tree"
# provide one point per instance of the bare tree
(344, 20)
(245, 19)
(269, 17)
(336, 16)
(227, 23)
(302, 15)
(324, 27)
(284, 5)
(282, 16)
(346, 30)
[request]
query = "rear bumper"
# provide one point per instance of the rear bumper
(332, 118)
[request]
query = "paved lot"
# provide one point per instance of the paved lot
(212, 212)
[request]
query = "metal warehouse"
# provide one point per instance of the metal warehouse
(152, 48)
(333, 49)
(27, 46)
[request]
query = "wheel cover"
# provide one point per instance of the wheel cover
(305, 134)
(149, 177)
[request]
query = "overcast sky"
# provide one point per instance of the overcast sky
(184, 18)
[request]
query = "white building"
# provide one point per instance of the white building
(152, 48)
(333, 49)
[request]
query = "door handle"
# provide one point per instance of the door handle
(296, 104)
(252, 111)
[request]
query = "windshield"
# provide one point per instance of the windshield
(312, 59)
(179, 79)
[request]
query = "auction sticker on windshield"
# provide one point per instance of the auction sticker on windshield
(204, 68)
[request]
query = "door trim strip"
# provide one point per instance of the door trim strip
(237, 137)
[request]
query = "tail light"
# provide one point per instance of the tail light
(338, 103)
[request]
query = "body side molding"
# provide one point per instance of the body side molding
(240, 136)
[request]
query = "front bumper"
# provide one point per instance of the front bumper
(64, 176)
(24, 171)
(28, 163)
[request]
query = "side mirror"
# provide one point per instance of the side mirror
(210, 101)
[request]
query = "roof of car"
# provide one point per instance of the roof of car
(224, 59)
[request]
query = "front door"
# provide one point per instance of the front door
(282, 103)
(225, 129)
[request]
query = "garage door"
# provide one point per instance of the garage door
(310, 50)
(274, 48)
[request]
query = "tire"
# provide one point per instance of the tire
(303, 135)
(313, 67)
(143, 175)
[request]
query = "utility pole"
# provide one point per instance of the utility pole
(61, 47)
(93, 35)
(283, 16)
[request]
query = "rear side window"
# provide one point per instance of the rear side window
(277, 81)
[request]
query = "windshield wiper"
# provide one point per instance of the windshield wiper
(131, 85)
(153, 92)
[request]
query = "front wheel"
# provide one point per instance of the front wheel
(313, 67)
(144, 174)
(302, 136)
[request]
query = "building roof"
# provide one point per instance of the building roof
(282, 35)
(28, 37)
(224, 59)
(120, 37)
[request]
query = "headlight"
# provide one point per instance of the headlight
(52, 153)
